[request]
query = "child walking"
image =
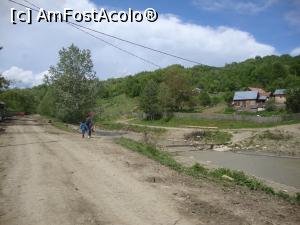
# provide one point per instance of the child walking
(84, 128)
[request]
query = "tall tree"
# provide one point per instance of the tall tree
(149, 100)
(165, 99)
(180, 89)
(74, 83)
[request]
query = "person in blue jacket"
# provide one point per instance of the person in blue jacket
(84, 128)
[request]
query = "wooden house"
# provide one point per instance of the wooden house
(279, 96)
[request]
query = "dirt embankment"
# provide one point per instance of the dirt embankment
(282, 140)
(51, 177)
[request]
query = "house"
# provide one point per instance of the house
(261, 91)
(246, 100)
(279, 96)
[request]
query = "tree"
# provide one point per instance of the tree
(228, 97)
(19, 100)
(166, 102)
(132, 87)
(205, 99)
(279, 70)
(4, 83)
(149, 100)
(180, 89)
(293, 100)
(74, 84)
(47, 104)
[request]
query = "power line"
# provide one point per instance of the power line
(130, 42)
(136, 44)
(30, 3)
(123, 50)
(100, 39)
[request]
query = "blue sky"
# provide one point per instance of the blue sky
(213, 32)
(269, 25)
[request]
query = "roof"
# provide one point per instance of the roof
(245, 95)
(279, 91)
(263, 98)
(260, 91)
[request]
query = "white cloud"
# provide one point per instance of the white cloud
(295, 52)
(23, 78)
(247, 7)
(35, 47)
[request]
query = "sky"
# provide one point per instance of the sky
(212, 32)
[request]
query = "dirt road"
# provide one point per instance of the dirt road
(48, 176)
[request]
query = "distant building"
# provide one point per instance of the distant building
(246, 100)
(279, 96)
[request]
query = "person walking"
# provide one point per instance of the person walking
(84, 128)
(89, 124)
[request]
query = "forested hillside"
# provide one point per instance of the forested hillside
(269, 72)
(171, 88)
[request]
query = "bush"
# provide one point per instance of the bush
(47, 105)
(229, 110)
(211, 137)
(293, 100)
(205, 99)
(19, 100)
(228, 96)
(215, 100)
(270, 105)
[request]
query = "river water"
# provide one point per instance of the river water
(284, 170)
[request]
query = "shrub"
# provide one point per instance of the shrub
(293, 100)
(270, 105)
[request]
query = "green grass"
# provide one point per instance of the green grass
(163, 158)
(62, 126)
(179, 122)
(116, 107)
(265, 113)
(108, 125)
(58, 124)
(272, 135)
(210, 136)
(231, 110)
(199, 172)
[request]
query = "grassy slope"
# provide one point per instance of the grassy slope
(210, 136)
(116, 107)
(122, 106)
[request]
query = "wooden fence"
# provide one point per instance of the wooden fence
(237, 117)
